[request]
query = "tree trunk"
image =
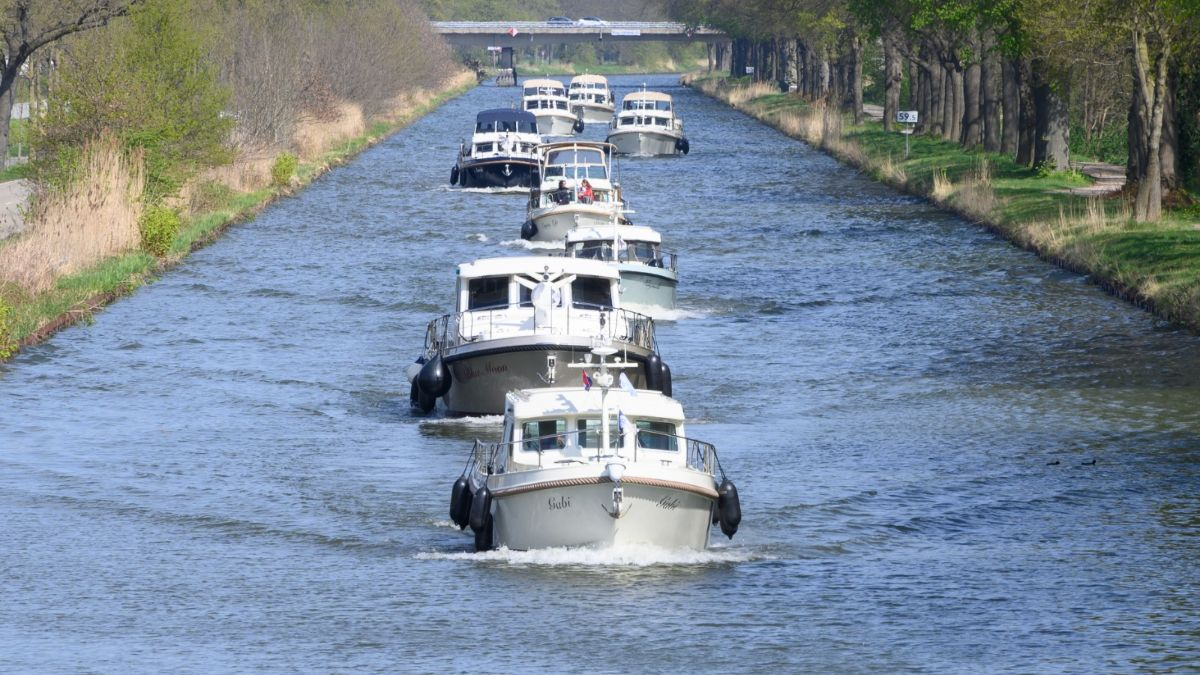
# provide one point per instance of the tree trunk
(989, 81)
(6, 104)
(1012, 108)
(972, 121)
(856, 77)
(893, 73)
(1150, 76)
(914, 86)
(1051, 115)
(937, 92)
(1027, 122)
(1136, 138)
(1168, 152)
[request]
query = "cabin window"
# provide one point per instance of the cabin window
(591, 292)
(589, 433)
(484, 147)
(596, 250)
(580, 156)
(561, 105)
(487, 292)
(544, 435)
(531, 105)
(657, 435)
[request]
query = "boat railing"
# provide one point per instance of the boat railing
(668, 260)
(622, 326)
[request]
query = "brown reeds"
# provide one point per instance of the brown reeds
(77, 227)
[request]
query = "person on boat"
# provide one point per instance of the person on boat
(586, 196)
(563, 194)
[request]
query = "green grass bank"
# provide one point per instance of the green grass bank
(1153, 265)
(27, 319)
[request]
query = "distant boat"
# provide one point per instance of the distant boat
(555, 204)
(649, 275)
(518, 322)
(502, 152)
(647, 125)
(547, 100)
(591, 99)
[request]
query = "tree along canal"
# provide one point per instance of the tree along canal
(950, 454)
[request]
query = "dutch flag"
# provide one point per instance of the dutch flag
(587, 382)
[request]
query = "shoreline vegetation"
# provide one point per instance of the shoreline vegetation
(220, 198)
(1155, 265)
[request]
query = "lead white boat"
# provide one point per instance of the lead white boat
(590, 98)
(547, 100)
(593, 466)
(649, 275)
(555, 204)
(647, 125)
(518, 322)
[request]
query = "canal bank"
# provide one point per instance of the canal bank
(1155, 266)
(27, 319)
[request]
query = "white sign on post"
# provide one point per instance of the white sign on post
(906, 116)
(749, 70)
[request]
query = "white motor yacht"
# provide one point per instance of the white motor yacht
(647, 125)
(590, 98)
(557, 205)
(518, 322)
(502, 152)
(596, 465)
(547, 100)
(649, 275)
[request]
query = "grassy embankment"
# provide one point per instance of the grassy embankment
(1154, 265)
(33, 316)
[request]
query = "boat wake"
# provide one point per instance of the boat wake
(617, 556)
(488, 421)
(477, 236)
(496, 190)
(534, 245)
(662, 314)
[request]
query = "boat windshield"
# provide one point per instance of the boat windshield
(591, 291)
(545, 91)
(593, 172)
(639, 104)
(487, 292)
(516, 126)
(575, 156)
(656, 435)
(589, 433)
(544, 434)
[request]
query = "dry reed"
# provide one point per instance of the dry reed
(77, 227)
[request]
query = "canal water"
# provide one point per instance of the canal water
(952, 456)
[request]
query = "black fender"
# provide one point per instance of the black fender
(654, 372)
(578, 126)
(665, 382)
(454, 174)
(682, 145)
(481, 508)
(729, 508)
(434, 378)
(460, 502)
(529, 230)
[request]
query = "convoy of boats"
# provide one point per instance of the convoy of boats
(563, 345)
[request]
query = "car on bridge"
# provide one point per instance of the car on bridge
(560, 21)
(591, 21)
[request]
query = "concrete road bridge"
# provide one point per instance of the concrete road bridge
(522, 33)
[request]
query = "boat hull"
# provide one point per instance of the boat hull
(551, 123)
(644, 142)
(481, 374)
(558, 510)
(497, 173)
(645, 289)
(553, 224)
(593, 114)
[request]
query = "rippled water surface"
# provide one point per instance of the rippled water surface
(952, 456)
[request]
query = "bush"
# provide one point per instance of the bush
(283, 169)
(158, 226)
(8, 346)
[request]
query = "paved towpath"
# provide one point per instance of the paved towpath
(14, 195)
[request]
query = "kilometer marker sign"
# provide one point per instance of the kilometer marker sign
(512, 32)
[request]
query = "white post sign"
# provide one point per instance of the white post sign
(749, 70)
(908, 117)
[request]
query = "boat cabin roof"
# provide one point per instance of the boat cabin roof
(534, 266)
(629, 233)
(527, 404)
(647, 96)
(589, 79)
(504, 115)
(542, 87)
